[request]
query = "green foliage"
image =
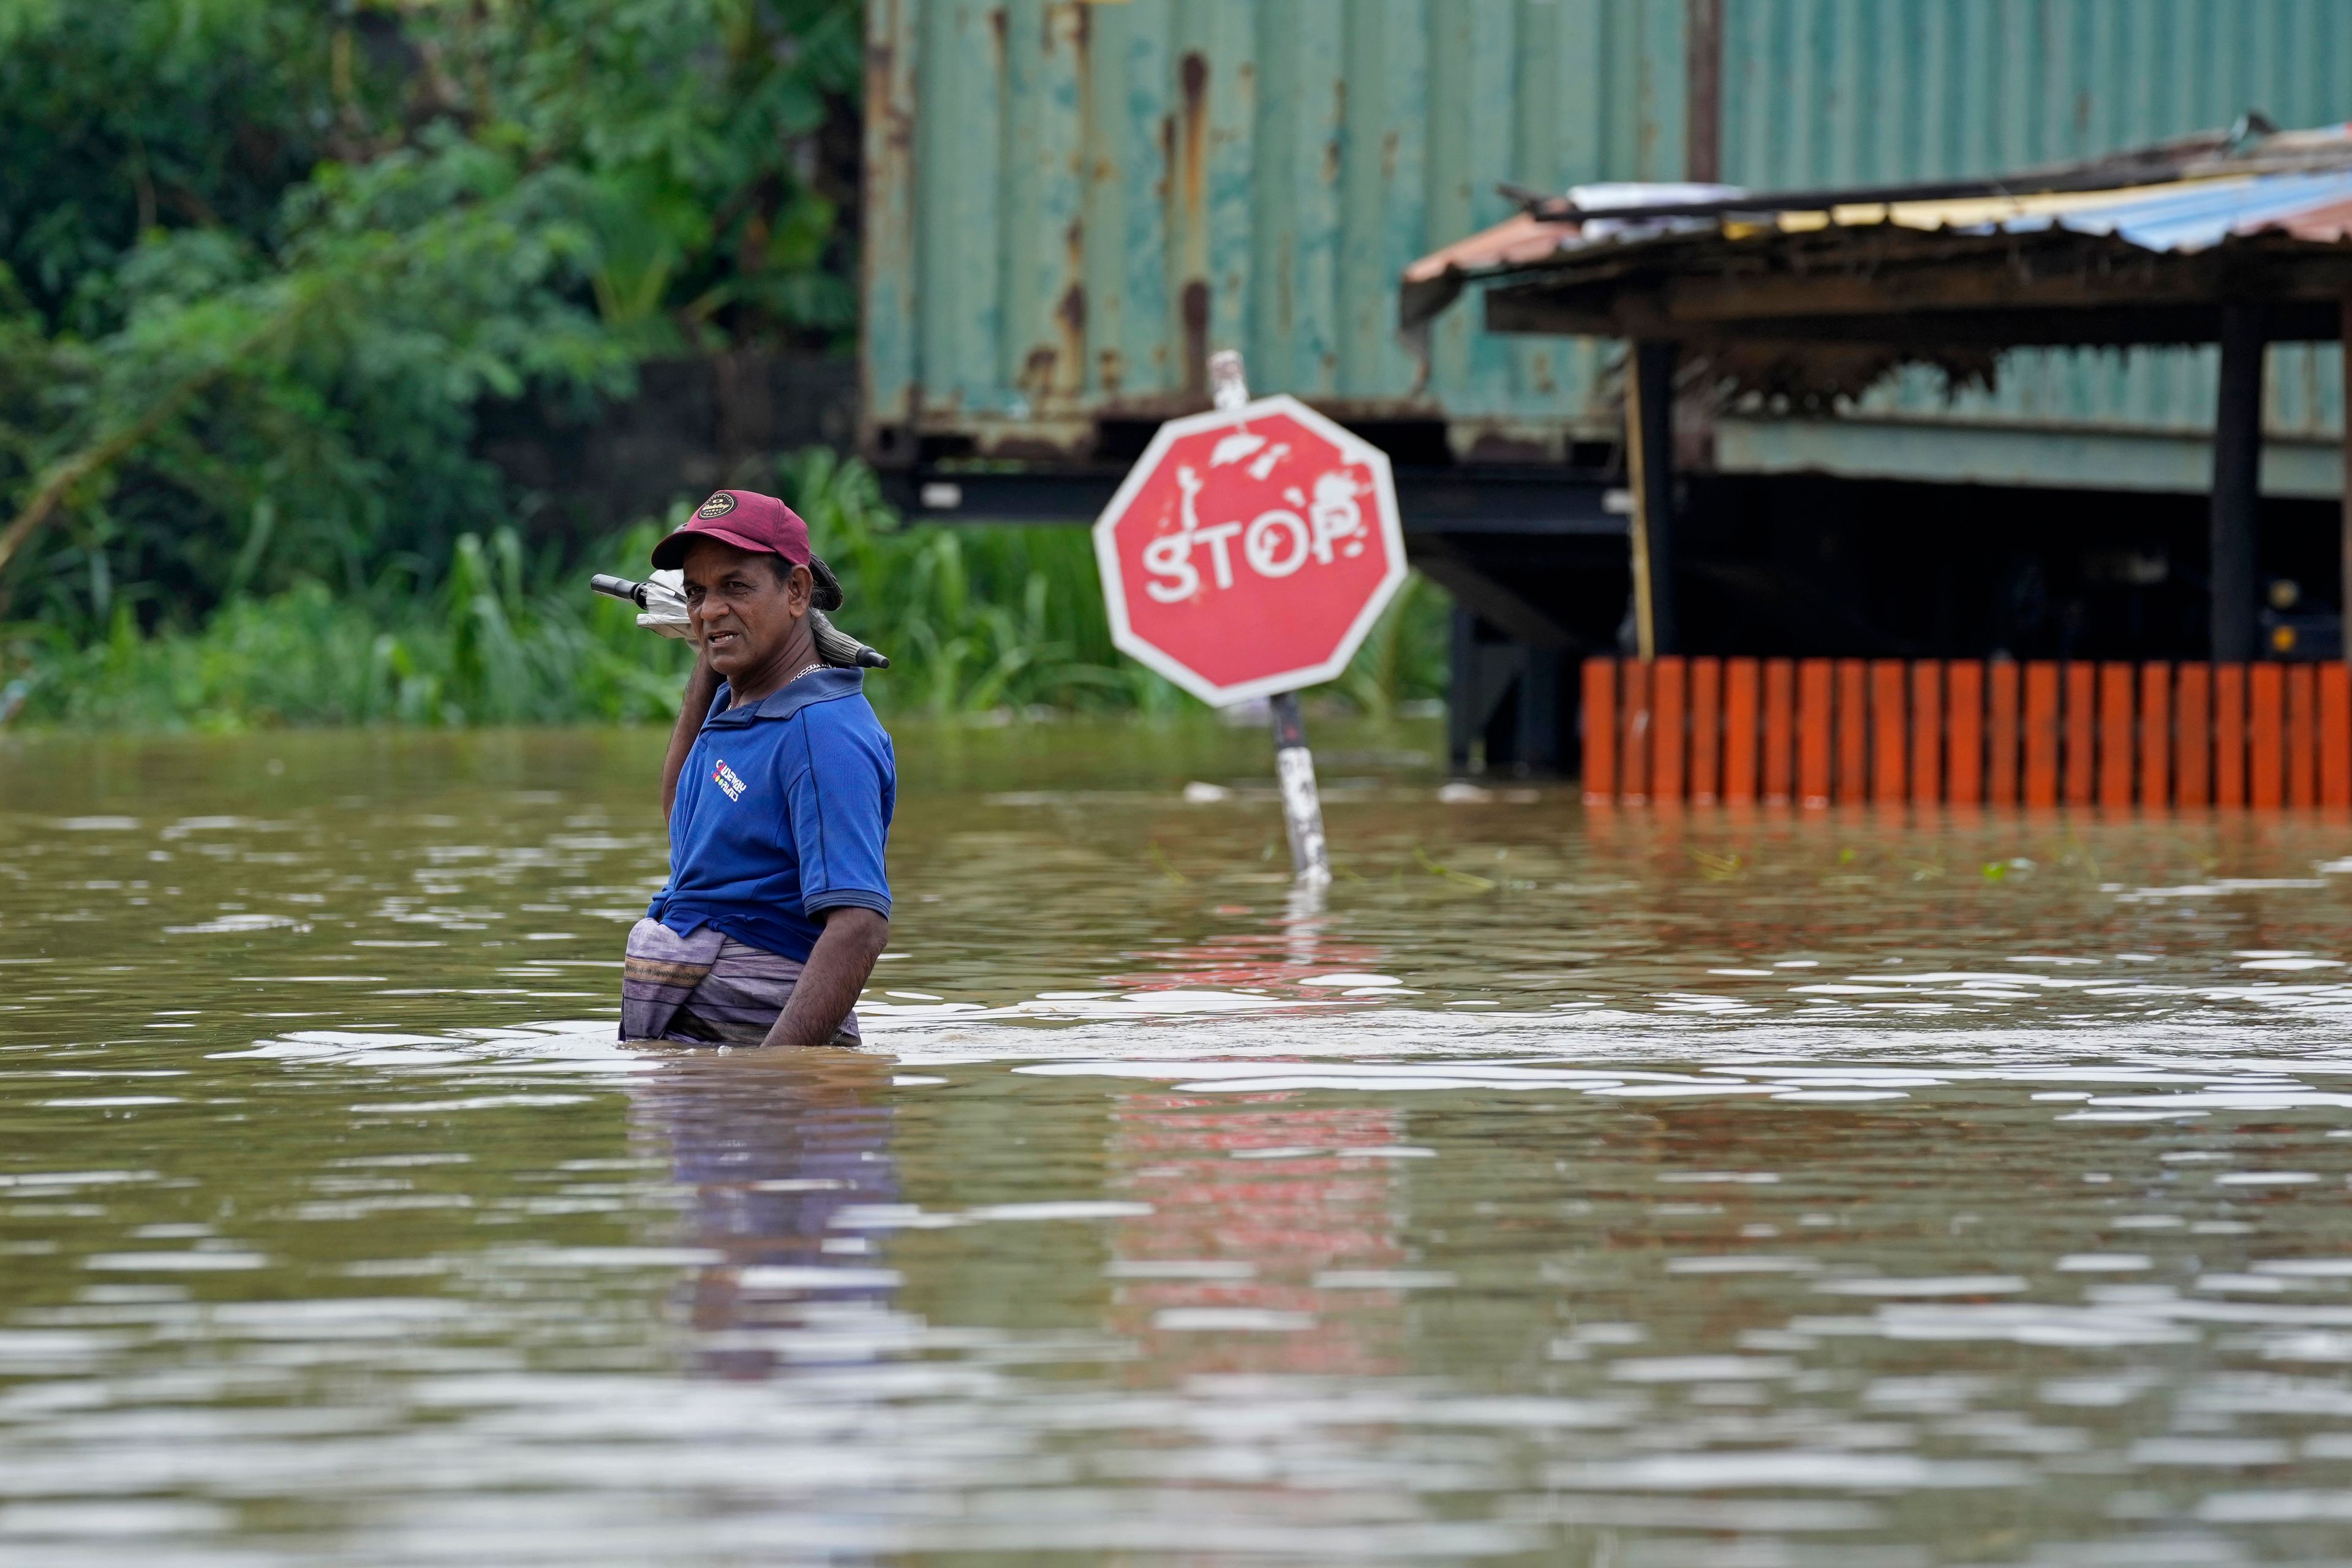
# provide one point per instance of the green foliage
(975, 619)
(260, 260)
(1403, 658)
(480, 650)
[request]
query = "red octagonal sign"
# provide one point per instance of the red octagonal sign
(1251, 550)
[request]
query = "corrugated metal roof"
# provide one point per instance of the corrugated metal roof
(2175, 215)
(2172, 215)
(2193, 215)
(1813, 300)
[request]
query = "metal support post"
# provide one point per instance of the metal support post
(2237, 484)
(1650, 464)
(1294, 764)
(2344, 528)
(1302, 808)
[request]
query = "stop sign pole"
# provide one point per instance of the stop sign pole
(1294, 764)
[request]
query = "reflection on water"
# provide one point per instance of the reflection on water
(1258, 1208)
(1616, 1188)
(779, 1157)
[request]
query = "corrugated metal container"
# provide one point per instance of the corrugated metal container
(1820, 92)
(1071, 203)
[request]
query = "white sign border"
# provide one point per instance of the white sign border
(1353, 450)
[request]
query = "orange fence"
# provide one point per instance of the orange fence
(1817, 732)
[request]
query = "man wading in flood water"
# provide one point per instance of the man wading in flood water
(779, 784)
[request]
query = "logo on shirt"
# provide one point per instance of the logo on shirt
(728, 779)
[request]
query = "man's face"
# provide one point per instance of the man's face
(739, 608)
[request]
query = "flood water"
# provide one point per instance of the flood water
(1620, 1188)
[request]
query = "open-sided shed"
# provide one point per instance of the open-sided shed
(1800, 299)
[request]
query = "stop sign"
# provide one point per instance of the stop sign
(1250, 550)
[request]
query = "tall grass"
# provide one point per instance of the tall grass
(975, 618)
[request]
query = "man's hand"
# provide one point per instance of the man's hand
(836, 971)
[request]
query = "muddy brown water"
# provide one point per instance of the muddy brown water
(1617, 1188)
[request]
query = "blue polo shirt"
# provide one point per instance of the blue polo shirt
(782, 813)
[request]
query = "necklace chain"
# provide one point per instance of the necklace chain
(805, 669)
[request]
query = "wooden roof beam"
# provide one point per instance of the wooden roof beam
(2099, 326)
(1971, 300)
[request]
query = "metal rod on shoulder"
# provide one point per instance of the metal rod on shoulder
(1294, 764)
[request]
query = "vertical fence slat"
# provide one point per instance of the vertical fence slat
(2192, 736)
(1668, 735)
(1853, 727)
(1813, 732)
(1926, 731)
(2335, 734)
(1705, 728)
(2002, 740)
(1890, 735)
(2116, 748)
(2302, 735)
(2265, 734)
(2040, 733)
(2230, 735)
(2156, 733)
(1740, 681)
(2079, 783)
(1964, 731)
(1780, 730)
(1634, 749)
(1599, 729)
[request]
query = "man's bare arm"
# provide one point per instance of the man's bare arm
(836, 971)
(701, 691)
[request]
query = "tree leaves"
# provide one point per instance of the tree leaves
(265, 252)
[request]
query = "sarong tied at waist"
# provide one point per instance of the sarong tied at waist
(705, 988)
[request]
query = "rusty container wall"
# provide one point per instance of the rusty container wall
(1070, 204)
(1818, 92)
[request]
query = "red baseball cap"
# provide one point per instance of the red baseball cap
(744, 518)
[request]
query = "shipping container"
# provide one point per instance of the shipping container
(1069, 203)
